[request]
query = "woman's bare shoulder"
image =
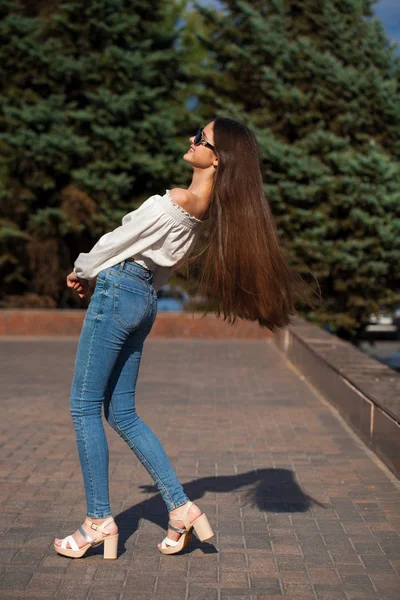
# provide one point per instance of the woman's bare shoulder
(182, 197)
(186, 200)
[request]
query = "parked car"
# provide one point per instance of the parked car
(172, 298)
(384, 324)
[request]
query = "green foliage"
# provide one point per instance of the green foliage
(94, 119)
(89, 102)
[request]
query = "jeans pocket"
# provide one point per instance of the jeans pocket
(130, 304)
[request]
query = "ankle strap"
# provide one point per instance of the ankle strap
(99, 526)
(184, 516)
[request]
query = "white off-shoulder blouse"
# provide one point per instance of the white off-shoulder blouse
(156, 235)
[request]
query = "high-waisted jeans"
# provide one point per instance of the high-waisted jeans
(120, 315)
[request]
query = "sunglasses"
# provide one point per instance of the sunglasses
(199, 140)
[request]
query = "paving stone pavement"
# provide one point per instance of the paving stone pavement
(299, 506)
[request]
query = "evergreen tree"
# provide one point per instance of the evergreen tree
(318, 84)
(90, 105)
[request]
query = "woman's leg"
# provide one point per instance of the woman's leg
(96, 355)
(97, 352)
(120, 412)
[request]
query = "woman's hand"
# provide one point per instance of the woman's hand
(78, 284)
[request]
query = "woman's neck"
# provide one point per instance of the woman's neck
(201, 187)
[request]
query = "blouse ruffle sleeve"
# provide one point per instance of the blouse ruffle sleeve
(158, 230)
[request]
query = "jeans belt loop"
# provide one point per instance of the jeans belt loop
(121, 266)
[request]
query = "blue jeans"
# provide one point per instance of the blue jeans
(119, 317)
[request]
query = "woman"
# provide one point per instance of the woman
(243, 273)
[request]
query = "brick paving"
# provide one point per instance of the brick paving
(299, 506)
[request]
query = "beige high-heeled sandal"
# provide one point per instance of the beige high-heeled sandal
(110, 541)
(201, 526)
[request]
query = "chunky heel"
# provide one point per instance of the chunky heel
(200, 525)
(110, 541)
(202, 528)
(110, 547)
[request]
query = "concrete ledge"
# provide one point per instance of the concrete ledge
(385, 439)
(365, 391)
(60, 322)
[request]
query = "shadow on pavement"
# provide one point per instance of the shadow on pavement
(273, 490)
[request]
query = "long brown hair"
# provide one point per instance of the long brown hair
(240, 268)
